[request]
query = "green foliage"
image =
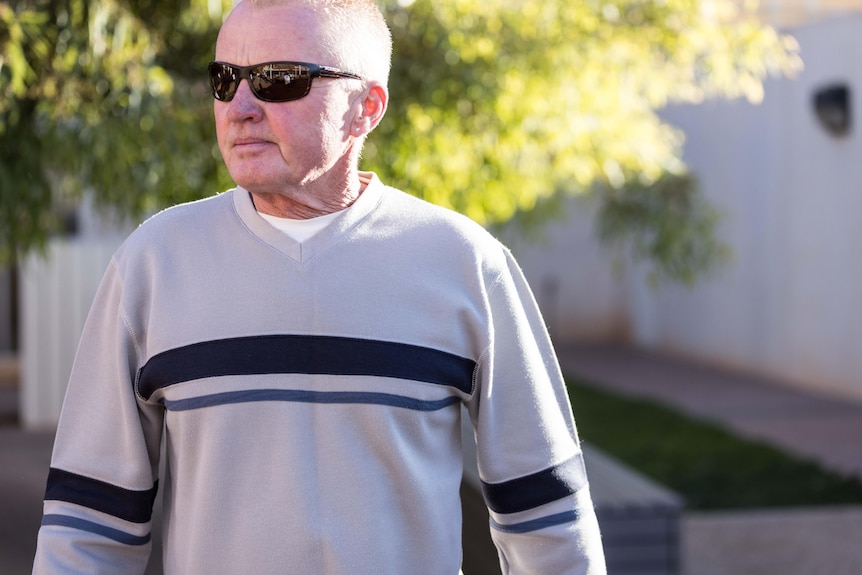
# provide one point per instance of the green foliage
(102, 96)
(708, 466)
(668, 221)
(496, 105)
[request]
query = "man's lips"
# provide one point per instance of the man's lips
(246, 147)
(239, 142)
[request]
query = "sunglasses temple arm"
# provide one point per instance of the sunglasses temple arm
(329, 72)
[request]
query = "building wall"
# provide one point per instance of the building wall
(790, 305)
(787, 13)
(581, 292)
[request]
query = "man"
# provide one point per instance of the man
(301, 346)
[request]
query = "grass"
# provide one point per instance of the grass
(708, 466)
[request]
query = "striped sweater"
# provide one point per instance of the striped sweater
(302, 402)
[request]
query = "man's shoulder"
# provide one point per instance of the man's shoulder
(176, 225)
(421, 216)
(190, 211)
(434, 231)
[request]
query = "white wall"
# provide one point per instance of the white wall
(785, 13)
(573, 278)
(790, 305)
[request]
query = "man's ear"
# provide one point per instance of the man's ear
(371, 110)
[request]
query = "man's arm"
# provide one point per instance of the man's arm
(529, 457)
(104, 468)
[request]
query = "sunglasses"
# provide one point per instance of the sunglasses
(271, 81)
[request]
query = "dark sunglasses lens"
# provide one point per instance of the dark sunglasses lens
(223, 81)
(280, 85)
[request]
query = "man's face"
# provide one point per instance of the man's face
(272, 147)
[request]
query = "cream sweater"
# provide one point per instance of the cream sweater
(308, 399)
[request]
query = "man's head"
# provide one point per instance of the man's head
(311, 142)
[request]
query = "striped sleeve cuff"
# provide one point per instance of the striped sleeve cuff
(537, 489)
(135, 506)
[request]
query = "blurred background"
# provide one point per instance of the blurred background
(679, 180)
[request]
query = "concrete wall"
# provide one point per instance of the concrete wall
(789, 306)
(581, 293)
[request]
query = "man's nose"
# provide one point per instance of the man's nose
(244, 103)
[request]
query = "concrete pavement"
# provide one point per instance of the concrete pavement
(24, 459)
(828, 430)
(810, 426)
(812, 541)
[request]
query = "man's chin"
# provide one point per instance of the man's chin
(254, 176)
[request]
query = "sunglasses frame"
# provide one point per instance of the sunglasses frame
(303, 69)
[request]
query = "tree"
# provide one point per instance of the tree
(497, 108)
(500, 107)
(107, 97)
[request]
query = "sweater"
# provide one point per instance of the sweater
(303, 401)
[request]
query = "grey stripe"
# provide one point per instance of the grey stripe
(536, 524)
(103, 530)
(302, 396)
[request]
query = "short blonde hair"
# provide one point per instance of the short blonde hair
(354, 33)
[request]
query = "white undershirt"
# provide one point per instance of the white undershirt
(300, 230)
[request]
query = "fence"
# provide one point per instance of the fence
(56, 292)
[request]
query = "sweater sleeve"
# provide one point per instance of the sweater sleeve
(103, 477)
(529, 456)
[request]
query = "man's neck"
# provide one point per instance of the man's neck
(308, 201)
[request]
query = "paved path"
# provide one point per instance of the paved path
(815, 541)
(24, 459)
(809, 541)
(824, 429)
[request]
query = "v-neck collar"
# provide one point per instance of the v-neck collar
(303, 252)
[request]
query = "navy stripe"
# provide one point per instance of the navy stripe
(531, 491)
(536, 524)
(126, 504)
(301, 396)
(103, 530)
(307, 355)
